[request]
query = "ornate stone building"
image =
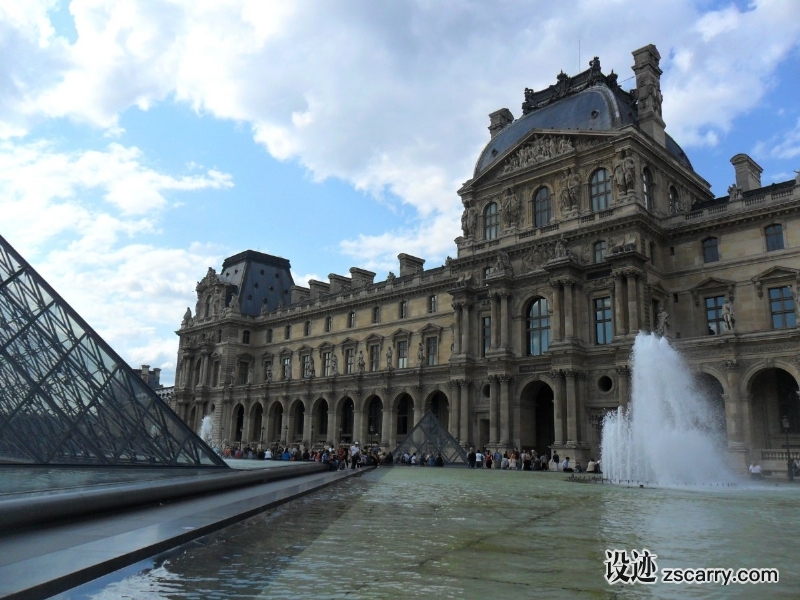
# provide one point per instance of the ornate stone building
(583, 223)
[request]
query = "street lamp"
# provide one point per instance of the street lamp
(785, 424)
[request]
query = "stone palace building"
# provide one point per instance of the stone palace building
(584, 223)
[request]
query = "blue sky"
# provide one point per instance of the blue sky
(141, 142)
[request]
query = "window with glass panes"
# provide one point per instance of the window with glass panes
(287, 333)
(351, 319)
(774, 235)
(326, 363)
(432, 351)
(403, 309)
(538, 327)
(376, 314)
(307, 328)
(328, 323)
(710, 250)
(599, 251)
(647, 188)
(243, 372)
(305, 360)
(269, 336)
(716, 324)
(491, 221)
(402, 355)
(542, 207)
(374, 357)
(433, 304)
(486, 334)
(245, 337)
(602, 320)
(781, 307)
(403, 415)
(600, 190)
(349, 360)
(287, 367)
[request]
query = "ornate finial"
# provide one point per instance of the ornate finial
(595, 63)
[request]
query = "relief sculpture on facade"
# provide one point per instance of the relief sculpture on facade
(542, 148)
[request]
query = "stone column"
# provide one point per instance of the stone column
(633, 303)
(572, 406)
(419, 411)
(286, 423)
(556, 322)
(333, 425)
(386, 425)
(465, 414)
(204, 369)
(494, 425)
(455, 421)
(619, 309)
(494, 298)
(358, 421)
(457, 328)
(558, 408)
(465, 323)
(504, 320)
(733, 406)
(622, 386)
(505, 410)
(307, 422)
(569, 324)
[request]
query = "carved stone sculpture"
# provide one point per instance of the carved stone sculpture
(421, 354)
(389, 358)
(662, 325)
(511, 208)
(561, 247)
(727, 314)
(361, 365)
(734, 193)
(187, 318)
(311, 370)
(570, 187)
(334, 365)
(469, 220)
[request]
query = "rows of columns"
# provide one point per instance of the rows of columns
(628, 291)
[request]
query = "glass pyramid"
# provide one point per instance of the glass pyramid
(430, 437)
(66, 398)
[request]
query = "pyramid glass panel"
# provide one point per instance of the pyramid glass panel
(66, 398)
(430, 437)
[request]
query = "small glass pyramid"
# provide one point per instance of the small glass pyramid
(430, 437)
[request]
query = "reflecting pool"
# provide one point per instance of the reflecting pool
(406, 532)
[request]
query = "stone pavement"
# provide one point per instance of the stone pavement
(43, 560)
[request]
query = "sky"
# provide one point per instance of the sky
(143, 141)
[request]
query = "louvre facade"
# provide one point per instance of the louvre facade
(584, 223)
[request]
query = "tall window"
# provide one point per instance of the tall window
(287, 367)
(538, 327)
(244, 372)
(269, 335)
(674, 200)
(774, 235)
(245, 337)
(287, 333)
(432, 351)
(208, 307)
(433, 303)
(374, 357)
(491, 222)
(403, 309)
(349, 360)
(376, 314)
(542, 207)
(599, 251)
(307, 328)
(781, 306)
(402, 355)
(403, 414)
(710, 250)
(215, 374)
(602, 320)
(600, 190)
(716, 324)
(351, 319)
(328, 323)
(305, 361)
(326, 364)
(647, 188)
(486, 334)
(374, 417)
(219, 335)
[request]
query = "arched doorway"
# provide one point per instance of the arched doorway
(319, 424)
(239, 416)
(192, 419)
(298, 418)
(405, 416)
(346, 427)
(713, 394)
(276, 423)
(256, 423)
(440, 407)
(536, 423)
(374, 419)
(774, 395)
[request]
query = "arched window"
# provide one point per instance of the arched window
(710, 250)
(774, 235)
(538, 327)
(674, 200)
(600, 190)
(599, 251)
(374, 418)
(491, 222)
(404, 414)
(647, 188)
(208, 306)
(542, 207)
(245, 337)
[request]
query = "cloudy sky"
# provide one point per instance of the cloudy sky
(144, 141)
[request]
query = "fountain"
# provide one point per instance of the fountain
(668, 436)
(206, 431)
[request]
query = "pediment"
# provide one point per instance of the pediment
(540, 147)
(348, 341)
(431, 329)
(775, 274)
(374, 338)
(285, 352)
(304, 348)
(267, 357)
(401, 333)
(712, 284)
(326, 347)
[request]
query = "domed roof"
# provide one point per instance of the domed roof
(590, 101)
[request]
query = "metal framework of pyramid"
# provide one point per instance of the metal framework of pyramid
(429, 436)
(66, 398)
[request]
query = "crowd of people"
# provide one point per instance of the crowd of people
(527, 461)
(343, 457)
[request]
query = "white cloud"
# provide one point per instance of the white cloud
(787, 147)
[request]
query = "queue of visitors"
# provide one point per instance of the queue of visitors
(343, 457)
(515, 460)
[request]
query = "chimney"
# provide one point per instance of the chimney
(339, 283)
(318, 288)
(498, 120)
(156, 377)
(299, 294)
(648, 92)
(144, 373)
(361, 278)
(409, 265)
(748, 173)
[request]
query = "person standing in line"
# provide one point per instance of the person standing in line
(479, 460)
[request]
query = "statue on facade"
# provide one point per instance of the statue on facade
(360, 363)
(389, 358)
(311, 370)
(264, 310)
(532, 260)
(734, 193)
(570, 187)
(727, 314)
(561, 247)
(469, 220)
(334, 364)
(268, 372)
(187, 318)
(511, 208)
(662, 326)
(391, 276)
(421, 354)
(234, 305)
(625, 174)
